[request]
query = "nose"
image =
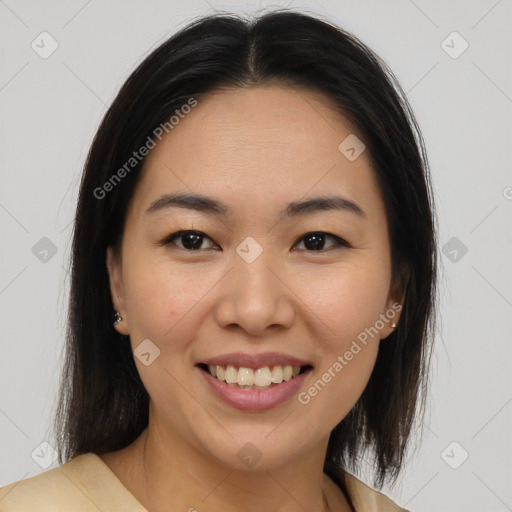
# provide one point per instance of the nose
(255, 297)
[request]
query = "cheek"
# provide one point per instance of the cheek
(159, 296)
(164, 300)
(347, 300)
(347, 305)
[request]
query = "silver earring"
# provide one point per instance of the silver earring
(393, 325)
(117, 318)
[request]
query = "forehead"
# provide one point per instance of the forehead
(257, 143)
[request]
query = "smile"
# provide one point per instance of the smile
(253, 397)
(254, 379)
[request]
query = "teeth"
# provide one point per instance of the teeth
(219, 373)
(277, 374)
(262, 377)
(231, 375)
(247, 378)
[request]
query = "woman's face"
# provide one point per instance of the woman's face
(265, 271)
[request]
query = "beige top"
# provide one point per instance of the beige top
(86, 484)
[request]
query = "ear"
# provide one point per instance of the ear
(115, 273)
(395, 302)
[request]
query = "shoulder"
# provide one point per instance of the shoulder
(83, 484)
(366, 499)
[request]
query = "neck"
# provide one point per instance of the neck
(160, 469)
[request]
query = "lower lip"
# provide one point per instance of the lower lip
(252, 399)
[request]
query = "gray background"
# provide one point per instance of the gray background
(50, 108)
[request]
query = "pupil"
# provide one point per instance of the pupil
(192, 241)
(315, 242)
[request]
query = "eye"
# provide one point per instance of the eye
(190, 240)
(316, 241)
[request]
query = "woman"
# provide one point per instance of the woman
(256, 213)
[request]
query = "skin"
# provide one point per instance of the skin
(255, 149)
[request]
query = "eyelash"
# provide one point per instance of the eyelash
(339, 242)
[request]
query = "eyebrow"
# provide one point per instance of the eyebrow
(212, 206)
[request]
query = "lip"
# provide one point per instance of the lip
(254, 400)
(255, 361)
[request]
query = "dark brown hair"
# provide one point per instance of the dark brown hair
(103, 405)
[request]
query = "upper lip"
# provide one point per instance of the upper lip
(255, 360)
